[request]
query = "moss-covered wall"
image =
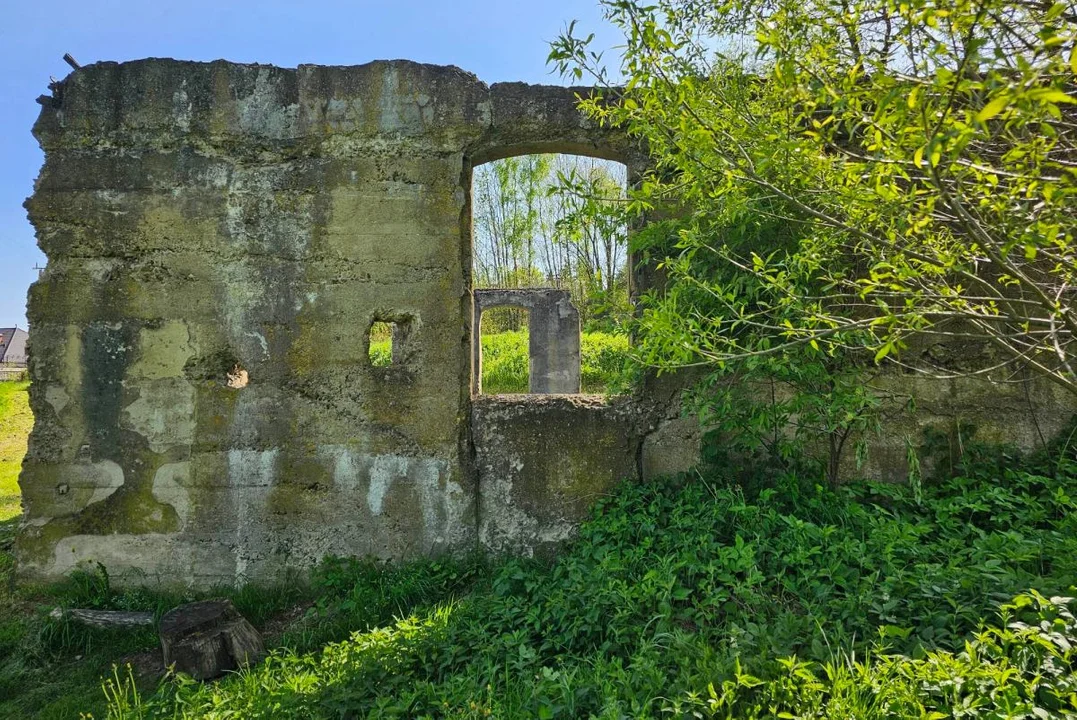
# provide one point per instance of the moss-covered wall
(220, 238)
(543, 460)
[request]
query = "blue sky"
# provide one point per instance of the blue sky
(496, 40)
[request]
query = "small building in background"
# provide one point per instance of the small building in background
(12, 352)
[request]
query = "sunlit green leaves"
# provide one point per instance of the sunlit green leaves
(932, 138)
(994, 107)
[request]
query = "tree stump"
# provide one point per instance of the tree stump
(208, 638)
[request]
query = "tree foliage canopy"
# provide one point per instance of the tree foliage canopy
(554, 220)
(853, 174)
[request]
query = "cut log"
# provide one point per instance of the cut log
(208, 638)
(104, 618)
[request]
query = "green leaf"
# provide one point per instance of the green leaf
(1051, 95)
(1056, 10)
(912, 98)
(993, 108)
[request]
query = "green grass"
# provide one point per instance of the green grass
(15, 423)
(604, 362)
(701, 598)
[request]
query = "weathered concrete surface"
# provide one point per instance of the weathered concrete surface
(542, 461)
(672, 447)
(553, 352)
(202, 220)
(940, 419)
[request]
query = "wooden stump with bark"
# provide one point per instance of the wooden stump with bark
(208, 638)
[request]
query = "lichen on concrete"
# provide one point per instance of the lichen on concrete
(205, 222)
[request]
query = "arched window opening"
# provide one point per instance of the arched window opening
(554, 222)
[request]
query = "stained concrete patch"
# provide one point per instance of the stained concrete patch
(672, 447)
(542, 461)
(163, 414)
(169, 487)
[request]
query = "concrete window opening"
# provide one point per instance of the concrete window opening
(553, 222)
(387, 342)
(504, 360)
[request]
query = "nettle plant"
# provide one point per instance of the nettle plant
(789, 411)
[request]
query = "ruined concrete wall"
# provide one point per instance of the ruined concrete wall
(220, 238)
(925, 420)
(939, 419)
(542, 461)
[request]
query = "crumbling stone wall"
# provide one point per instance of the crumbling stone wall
(542, 461)
(553, 337)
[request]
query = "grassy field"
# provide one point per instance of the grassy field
(604, 363)
(15, 424)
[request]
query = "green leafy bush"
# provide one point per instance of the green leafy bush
(605, 363)
(1020, 666)
(695, 597)
(361, 594)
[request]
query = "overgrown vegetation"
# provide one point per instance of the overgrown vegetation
(789, 410)
(701, 596)
(15, 423)
(861, 175)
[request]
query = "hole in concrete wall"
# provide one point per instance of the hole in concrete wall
(388, 339)
(381, 343)
(237, 377)
(504, 359)
(557, 221)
